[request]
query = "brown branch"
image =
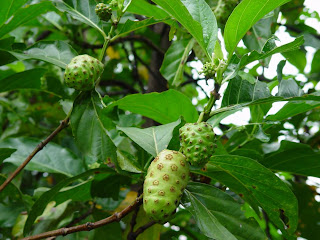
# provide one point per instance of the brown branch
(134, 235)
(116, 217)
(41, 145)
(133, 221)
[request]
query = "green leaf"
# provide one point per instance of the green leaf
(106, 186)
(197, 17)
(79, 192)
(131, 26)
(297, 58)
(162, 107)
(172, 67)
(240, 90)
(29, 79)
(89, 128)
(296, 158)
(143, 7)
(24, 15)
(254, 55)
(153, 139)
(218, 215)
(56, 52)
(289, 88)
(5, 153)
(315, 65)
(243, 17)
(52, 159)
(293, 108)
(8, 8)
(127, 162)
(39, 206)
(258, 186)
(84, 11)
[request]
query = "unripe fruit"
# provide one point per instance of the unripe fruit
(197, 142)
(103, 11)
(82, 72)
(165, 181)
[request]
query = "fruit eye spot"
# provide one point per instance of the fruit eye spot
(161, 193)
(155, 182)
(182, 163)
(183, 176)
(172, 189)
(168, 156)
(174, 167)
(160, 166)
(166, 177)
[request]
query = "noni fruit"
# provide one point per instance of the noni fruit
(197, 142)
(165, 181)
(82, 72)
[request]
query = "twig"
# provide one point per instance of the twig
(133, 221)
(116, 217)
(267, 225)
(119, 83)
(134, 235)
(41, 145)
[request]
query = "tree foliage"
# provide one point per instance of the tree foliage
(73, 161)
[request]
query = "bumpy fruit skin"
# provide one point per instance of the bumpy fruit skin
(165, 181)
(197, 142)
(103, 11)
(82, 72)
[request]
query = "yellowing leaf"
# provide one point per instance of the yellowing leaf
(112, 54)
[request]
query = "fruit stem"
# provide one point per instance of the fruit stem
(214, 95)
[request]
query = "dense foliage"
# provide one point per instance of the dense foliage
(72, 156)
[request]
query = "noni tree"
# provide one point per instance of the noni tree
(162, 119)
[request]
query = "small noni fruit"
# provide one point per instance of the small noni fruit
(103, 11)
(197, 142)
(165, 181)
(82, 72)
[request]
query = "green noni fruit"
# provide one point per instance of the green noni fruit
(103, 11)
(197, 142)
(82, 72)
(165, 181)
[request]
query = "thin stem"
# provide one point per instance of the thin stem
(134, 235)
(116, 217)
(64, 123)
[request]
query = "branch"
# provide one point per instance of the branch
(64, 123)
(134, 235)
(119, 83)
(116, 217)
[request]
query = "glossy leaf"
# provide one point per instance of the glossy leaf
(89, 128)
(258, 186)
(159, 107)
(5, 153)
(127, 163)
(174, 61)
(52, 159)
(56, 52)
(143, 7)
(153, 139)
(243, 17)
(295, 158)
(29, 79)
(218, 215)
(48, 196)
(24, 15)
(84, 11)
(130, 26)
(8, 8)
(197, 17)
(240, 90)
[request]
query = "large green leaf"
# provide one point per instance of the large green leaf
(89, 128)
(162, 107)
(24, 15)
(197, 17)
(293, 108)
(5, 153)
(52, 159)
(218, 215)
(295, 158)
(56, 52)
(240, 90)
(143, 7)
(84, 11)
(8, 8)
(131, 26)
(29, 79)
(243, 17)
(258, 186)
(153, 139)
(39, 206)
(172, 67)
